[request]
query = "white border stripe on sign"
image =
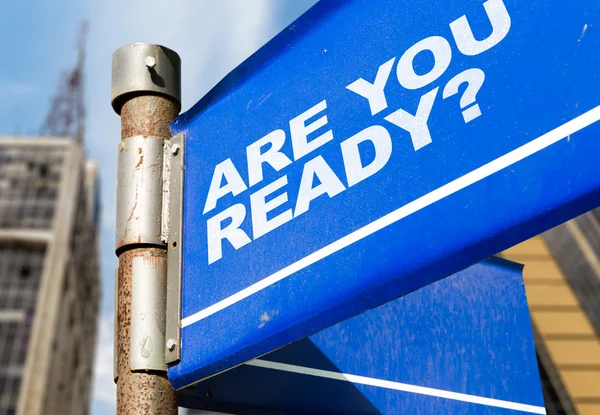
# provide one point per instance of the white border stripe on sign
(434, 196)
(402, 387)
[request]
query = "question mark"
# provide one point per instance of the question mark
(474, 78)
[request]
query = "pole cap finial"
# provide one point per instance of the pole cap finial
(144, 68)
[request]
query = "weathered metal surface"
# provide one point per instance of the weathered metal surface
(151, 69)
(146, 107)
(166, 177)
(175, 155)
(148, 306)
(138, 392)
(116, 324)
(147, 116)
(139, 202)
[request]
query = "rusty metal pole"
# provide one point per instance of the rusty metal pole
(146, 93)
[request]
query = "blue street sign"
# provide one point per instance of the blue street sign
(461, 345)
(372, 148)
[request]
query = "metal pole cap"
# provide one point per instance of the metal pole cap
(143, 68)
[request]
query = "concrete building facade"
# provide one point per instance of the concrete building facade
(49, 276)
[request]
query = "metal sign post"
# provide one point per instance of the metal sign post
(146, 94)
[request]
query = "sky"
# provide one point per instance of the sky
(38, 43)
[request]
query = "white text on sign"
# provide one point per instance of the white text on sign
(318, 178)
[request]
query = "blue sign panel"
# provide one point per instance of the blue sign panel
(462, 345)
(372, 148)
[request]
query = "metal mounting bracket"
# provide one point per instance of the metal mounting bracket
(173, 175)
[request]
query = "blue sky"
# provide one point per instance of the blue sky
(38, 43)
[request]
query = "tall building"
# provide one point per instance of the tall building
(562, 279)
(49, 276)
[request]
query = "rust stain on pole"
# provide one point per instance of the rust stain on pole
(147, 116)
(141, 392)
(138, 392)
(146, 93)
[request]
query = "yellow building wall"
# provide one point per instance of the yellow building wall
(562, 325)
